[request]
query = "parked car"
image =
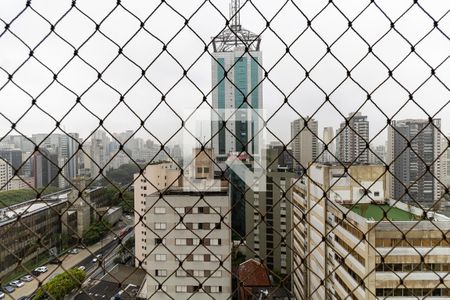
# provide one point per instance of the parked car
(42, 269)
(26, 278)
(35, 273)
(16, 283)
(2, 295)
(55, 261)
(9, 289)
(73, 251)
(82, 268)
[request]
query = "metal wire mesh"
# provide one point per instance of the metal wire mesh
(161, 210)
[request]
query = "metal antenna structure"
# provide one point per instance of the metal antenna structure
(234, 35)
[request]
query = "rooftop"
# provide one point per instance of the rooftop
(376, 212)
(27, 208)
(121, 280)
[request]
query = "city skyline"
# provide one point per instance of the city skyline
(224, 149)
(208, 23)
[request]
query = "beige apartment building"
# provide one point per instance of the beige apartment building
(156, 177)
(367, 249)
(305, 145)
(186, 245)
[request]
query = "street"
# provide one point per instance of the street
(108, 248)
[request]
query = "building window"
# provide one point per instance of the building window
(216, 289)
(215, 242)
(160, 226)
(180, 242)
(179, 210)
(181, 288)
(160, 257)
(198, 257)
(376, 194)
(181, 273)
(160, 273)
(160, 210)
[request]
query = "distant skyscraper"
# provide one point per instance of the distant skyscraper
(66, 147)
(353, 138)
(414, 151)
(6, 174)
(328, 145)
(305, 145)
(236, 81)
(377, 155)
(45, 168)
(13, 157)
(98, 153)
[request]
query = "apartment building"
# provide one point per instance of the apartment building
(155, 177)
(186, 245)
(6, 174)
(305, 144)
(365, 249)
(268, 223)
(352, 138)
(415, 156)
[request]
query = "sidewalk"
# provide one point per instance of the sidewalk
(69, 261)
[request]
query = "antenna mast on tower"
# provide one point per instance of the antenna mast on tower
(235, 15)
(234, 35)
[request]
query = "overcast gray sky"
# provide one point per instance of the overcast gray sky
(187, 47)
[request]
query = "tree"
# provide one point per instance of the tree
(62, 284)
(124, 199)
(96, 232)
(124, 174)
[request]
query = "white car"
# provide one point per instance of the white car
(2, 295)
(82, 268)
(17, 283)
(73, 251)
(26, 278)
(42, 269)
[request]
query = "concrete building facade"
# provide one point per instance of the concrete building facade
(186, 245)
(352, 139)
(365, 250)
(155, 178)
(268, 223)
(304, 142)
(6, 175)
(415, 156)
(39, 220)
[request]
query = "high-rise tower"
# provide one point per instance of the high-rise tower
(352, 139)
(414, 156)
(237, 90)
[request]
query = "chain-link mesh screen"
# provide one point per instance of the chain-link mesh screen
(213, 150)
